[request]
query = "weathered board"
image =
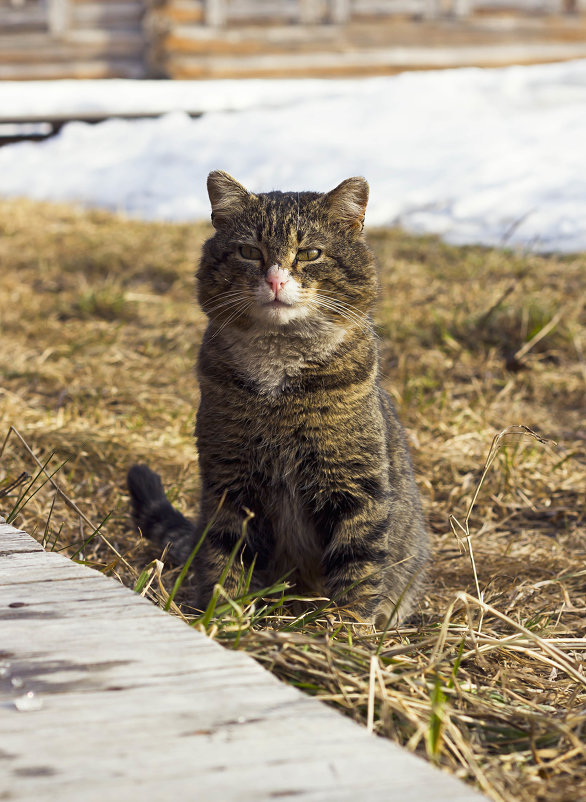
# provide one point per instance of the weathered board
(104, 696)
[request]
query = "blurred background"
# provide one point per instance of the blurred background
(49, 39)
(466, 116)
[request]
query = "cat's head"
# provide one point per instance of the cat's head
(281, 258)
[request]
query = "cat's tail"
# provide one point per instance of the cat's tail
(154, 515)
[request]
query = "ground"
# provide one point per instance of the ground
(99, 333)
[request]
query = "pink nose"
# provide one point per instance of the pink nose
(276, 278)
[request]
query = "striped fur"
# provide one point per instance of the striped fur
(293, 423)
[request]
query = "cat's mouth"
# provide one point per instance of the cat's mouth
(276, 304)
(280, 313)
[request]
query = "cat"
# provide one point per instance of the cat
(293, 424)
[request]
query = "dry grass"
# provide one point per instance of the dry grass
(99, 334)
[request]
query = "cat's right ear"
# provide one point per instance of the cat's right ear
(227, 196)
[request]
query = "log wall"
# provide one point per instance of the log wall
(189, 38)
(44, 39)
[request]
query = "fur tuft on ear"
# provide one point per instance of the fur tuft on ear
(347, 203)
(227, 196)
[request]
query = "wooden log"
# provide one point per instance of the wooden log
(107, 15)
(431, 9)
(131, 40)
(28, 18)
(57, 121)
(215, 13)
(339, 11)
(178, 12)
(523, 7)
(111, 4)
(462, 8)
(59, 16)
(309, 11)
(36, 49)
(200, 48)
(48, 70)
(367, 62)
(266, 10)
(371, 8)
(281, 34)
(104, 696)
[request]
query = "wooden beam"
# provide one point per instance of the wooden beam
(59, 16)
(59, 70)
(431, 9)
(104, 15)
(23, 18)
(57, 121)
(309, 11)
(215, 13)
(462, 8)
(368, 62)
(339, 11)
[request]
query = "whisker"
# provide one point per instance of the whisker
(225, 307)
(225, 299)
(342, 313)
(228, 294)
(323, 294)
(349, 308)
(344, 310)
(236, 313)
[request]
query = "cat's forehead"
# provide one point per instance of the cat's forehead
(283, 215)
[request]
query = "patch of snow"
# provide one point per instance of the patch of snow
(487, 156)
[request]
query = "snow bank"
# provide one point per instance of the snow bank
(476, 155)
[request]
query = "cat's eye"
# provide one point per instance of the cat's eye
(250, 252)
(308, 254)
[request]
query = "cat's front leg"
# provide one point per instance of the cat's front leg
(232, 544)
(356, 555)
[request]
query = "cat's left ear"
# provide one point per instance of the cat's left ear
(227, 196)
(347, 203)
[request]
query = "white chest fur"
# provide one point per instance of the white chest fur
(272, 357)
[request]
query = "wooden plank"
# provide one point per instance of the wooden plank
(339, 11)
(27, 18)
(516, 6)
(128, 39)
(381, 8)
(432, 9)
(57, 70)
(261, 35)
(59, 16)
(376, 60)
(15, 541)
(35, 50)
(57, 120)
(215, 13)
(271, 9)
(177, 12)
(105, 696)
(462, 8)
(308, 11)
(110, 15)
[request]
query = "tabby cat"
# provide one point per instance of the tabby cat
(293, 424)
